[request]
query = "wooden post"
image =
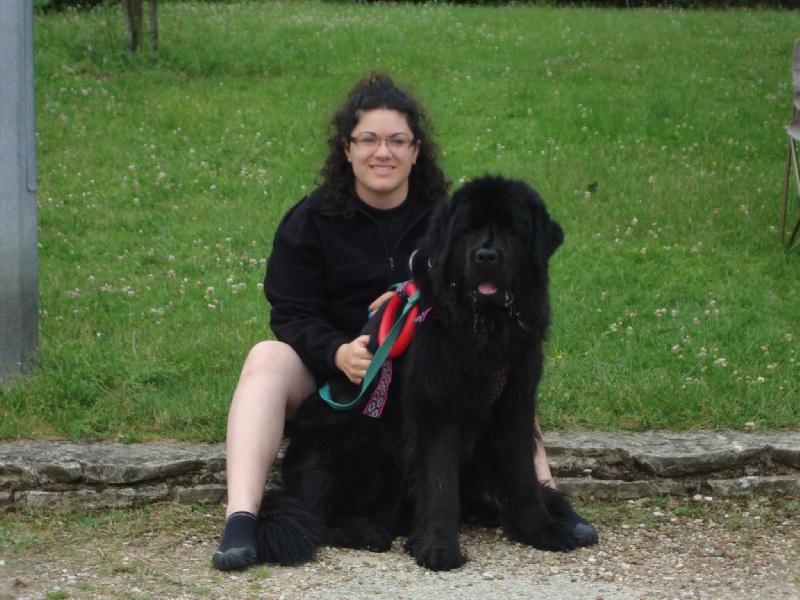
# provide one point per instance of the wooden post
(19, 266)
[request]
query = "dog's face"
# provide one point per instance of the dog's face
(490, 251)
(489, 244)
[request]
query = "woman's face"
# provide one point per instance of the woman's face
(382, 150)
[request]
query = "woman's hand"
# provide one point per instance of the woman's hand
(353, 359)
(379, 301)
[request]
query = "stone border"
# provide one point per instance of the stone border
(604, 465)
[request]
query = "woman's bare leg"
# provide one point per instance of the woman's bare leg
(273, 384)
(540, 458)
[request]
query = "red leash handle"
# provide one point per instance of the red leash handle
(408, 289)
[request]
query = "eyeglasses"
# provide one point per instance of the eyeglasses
(395, 143)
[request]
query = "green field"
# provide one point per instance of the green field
(655, 136)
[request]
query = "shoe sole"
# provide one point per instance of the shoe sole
(235, 558)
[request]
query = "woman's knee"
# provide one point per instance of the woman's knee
(281, 364)
(271, 357)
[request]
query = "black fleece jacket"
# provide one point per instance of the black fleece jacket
(325, 270)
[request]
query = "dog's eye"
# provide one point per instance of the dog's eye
(508, 232)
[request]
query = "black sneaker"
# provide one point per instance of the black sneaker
(238, 546)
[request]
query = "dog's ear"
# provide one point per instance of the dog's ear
(441, 221)
(422, 258)
(440, 229)
(547, 232)
(554, 236)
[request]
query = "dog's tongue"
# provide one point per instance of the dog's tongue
(487, 289)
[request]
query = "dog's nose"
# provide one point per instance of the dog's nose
(487, 256)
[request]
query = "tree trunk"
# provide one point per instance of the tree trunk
(153, 27)
(133, 13)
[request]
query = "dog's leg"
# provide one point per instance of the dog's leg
(434, 539)
(367, 510)
(532, 522)
(478, 505)
(535, 526)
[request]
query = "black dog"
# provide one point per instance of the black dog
(455, 436)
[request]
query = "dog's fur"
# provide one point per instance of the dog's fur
(456, 438)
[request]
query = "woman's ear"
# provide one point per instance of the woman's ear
(346, 148)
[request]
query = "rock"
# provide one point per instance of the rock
(604, 465)
(765, 486)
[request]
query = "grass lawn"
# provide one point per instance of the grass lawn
(655, 136)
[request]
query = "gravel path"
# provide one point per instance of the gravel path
(649, 549)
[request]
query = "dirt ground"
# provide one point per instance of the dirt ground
(652, 548)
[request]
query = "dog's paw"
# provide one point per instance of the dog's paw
(372, 536)
(377, 538)
(552, 536)
(437, 556)
(476, 509)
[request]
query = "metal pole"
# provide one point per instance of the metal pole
(19, 262)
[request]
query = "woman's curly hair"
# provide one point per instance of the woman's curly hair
(377, 91)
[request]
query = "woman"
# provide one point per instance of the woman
(335, 254)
